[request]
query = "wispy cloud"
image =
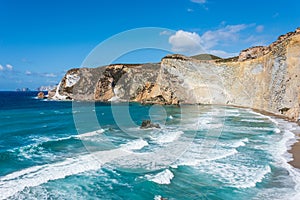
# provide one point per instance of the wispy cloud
(227, 34)
(222, 54)
(203, 3)
(9, 67)
(199, 1)
(11, 72)
(255, 40)
(190, 10)
(260, 28)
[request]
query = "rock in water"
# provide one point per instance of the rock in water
(149, 124)
(41, 95)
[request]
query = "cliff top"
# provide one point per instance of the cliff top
(258, 51)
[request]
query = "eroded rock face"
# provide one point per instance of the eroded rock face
(104, 90)
(253, 52)
(266, 78)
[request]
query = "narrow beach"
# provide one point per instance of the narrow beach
(295, 151)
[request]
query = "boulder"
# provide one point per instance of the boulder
(41, 95)
(148, 124)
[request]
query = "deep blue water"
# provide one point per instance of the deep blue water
(83, 150)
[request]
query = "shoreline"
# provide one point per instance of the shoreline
(295, 151)
(294, 148)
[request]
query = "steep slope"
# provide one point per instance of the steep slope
(265, 78)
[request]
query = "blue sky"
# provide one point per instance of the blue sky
(41, 39)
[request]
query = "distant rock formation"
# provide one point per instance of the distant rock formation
(265, 78)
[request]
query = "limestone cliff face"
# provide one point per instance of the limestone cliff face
(266, 78)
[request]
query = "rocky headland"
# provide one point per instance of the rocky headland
(263, 78)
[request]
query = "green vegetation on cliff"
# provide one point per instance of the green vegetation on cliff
(206, 57)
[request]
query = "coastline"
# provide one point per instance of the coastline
(294, 148)
(295, 151)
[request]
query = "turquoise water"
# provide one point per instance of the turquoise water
(79, 150)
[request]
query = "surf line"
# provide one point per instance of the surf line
(37, 175)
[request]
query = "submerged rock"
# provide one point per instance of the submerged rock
(149, 124)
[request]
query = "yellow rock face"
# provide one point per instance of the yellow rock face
(270, 82)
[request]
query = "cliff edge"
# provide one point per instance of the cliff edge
(264, 78)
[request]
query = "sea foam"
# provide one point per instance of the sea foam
(167, 136)
(90, 134)
(134, 145)
(37, 175)
(163, 177)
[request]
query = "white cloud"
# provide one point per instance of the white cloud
(28, 72)
(199, 1)
(184, 41)
(190, 10)
(255, 40)
(260, 28)
(192, 43)
(9, 67)
(1, 68)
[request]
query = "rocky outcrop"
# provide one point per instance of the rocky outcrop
(253, 52)
(41, 95)
(265, 78)
(148, 124)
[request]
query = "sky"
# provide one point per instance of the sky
(41, 39)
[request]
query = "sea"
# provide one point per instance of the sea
(87, 150)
